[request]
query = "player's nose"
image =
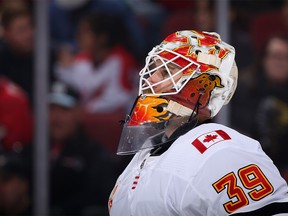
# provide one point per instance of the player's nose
(155, 77)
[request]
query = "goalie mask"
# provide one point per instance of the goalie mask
(190, 75)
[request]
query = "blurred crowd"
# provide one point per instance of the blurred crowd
(96, 49)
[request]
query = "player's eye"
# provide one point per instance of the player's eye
(164, 73)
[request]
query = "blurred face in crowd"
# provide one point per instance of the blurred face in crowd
(63, 122)
(276, 60)
(89, 40)
(204, 15)
(19, 34)
(85, 37)
(13, 194)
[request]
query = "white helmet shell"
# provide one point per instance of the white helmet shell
(196, 53)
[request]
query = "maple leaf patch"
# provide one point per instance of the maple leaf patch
(209, 138)
(203, 142)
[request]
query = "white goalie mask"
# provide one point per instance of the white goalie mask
(189, 73)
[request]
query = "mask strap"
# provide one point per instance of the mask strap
(196, 109)
(178, 109)
(130, 113)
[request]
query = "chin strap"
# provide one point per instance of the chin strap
(178, 109)
(183, 111)
(191, 123)
(196, 109)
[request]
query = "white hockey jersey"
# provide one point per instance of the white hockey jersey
(211, 170)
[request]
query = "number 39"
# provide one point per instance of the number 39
(252, 179)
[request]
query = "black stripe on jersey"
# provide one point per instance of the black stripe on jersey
(268, 210)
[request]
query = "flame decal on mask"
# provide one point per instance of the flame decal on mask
(177, 38)
(149, 109)
(185, 49)
(207, 39)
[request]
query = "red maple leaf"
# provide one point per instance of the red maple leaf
(209, 138)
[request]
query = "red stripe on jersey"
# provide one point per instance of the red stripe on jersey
(135, 182)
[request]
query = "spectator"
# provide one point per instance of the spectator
(108, 68)
(151, 15)
(15, 184)
(16, 121)
(82, 173)
(201, 15)
(267, 88)
(16, 50)
(271, 121)
(103, 72)
(262, 23)
(65, 15)
(16, 59)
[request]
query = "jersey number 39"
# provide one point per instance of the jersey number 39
(252, 178)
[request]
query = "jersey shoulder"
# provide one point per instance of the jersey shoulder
(198, 146)
(211, 137)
